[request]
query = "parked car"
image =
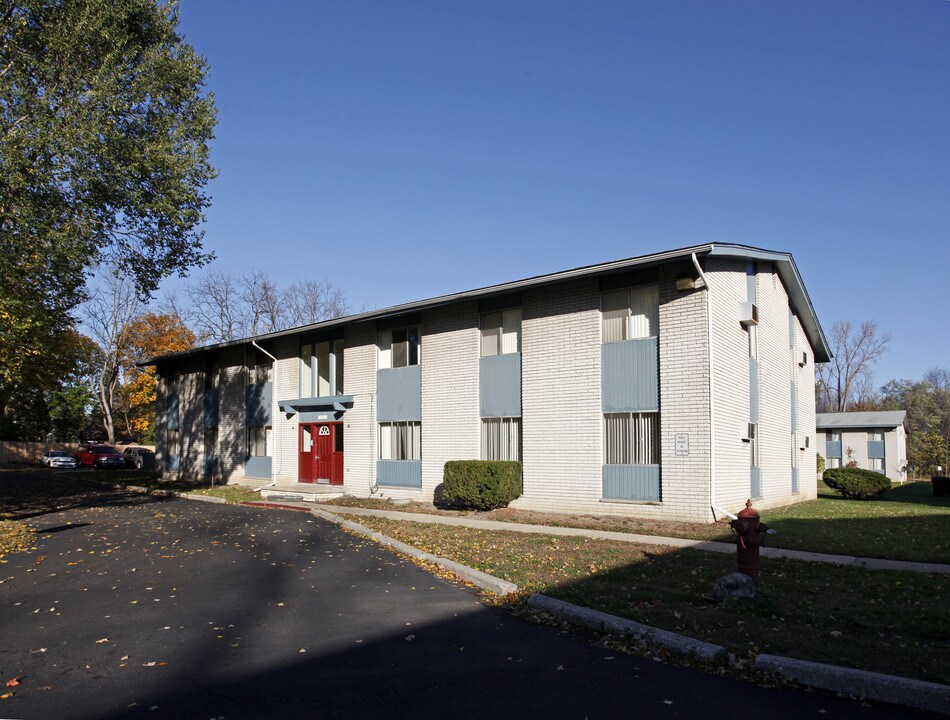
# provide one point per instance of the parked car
(100, 456)
(139, 458)
(58, 459)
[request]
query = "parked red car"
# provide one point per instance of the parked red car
(100, 456)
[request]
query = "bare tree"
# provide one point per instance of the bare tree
(219, 308)
(938, 377)
(263, 303)
(856, 350)
(214, 309)
(107, 314)
(311, 301)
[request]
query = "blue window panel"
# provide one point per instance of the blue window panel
(794, 480)
(876, 449)
(833, 449)
(258, 467)
(631, 482)
(499, 385)
(399, 473)
(755, 482)
(399, 394)
(753, 390)
(212, 398)
(172, 463)
(258, 404)
(171, 414)
(629, 376)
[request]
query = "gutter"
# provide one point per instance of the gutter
(712, 389)
(273, 472)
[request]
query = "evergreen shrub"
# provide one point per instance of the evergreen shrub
(481, 484)
(856, 483)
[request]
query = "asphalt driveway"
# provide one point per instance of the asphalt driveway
(133, 606)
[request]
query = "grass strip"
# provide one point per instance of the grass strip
(906, 523)
(810, 611)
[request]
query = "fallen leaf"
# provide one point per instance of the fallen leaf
(14, 681)
(6, 695)
(104, 640)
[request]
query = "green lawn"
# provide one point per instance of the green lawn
(905, 523)
(811, 611)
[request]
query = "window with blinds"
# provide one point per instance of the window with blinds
(400, 440)
(501, 332)
(632, 439)
(501, 438)
(630, 314)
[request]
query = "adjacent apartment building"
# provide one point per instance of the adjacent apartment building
(673, 386)
(871, 440)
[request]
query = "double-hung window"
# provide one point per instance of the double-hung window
(501, 438)
(400, 440)
(632, 438)
(630, 314)
(501, 332)
(399, 347)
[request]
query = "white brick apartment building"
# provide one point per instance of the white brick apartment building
(674, 385)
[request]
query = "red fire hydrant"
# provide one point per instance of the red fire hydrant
(749, 532)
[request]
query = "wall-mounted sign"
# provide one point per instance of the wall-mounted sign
(682, 444)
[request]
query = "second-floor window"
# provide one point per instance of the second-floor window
(399, 347)
(630, 314)
(260, 370)
(501, 332)
(321, 368)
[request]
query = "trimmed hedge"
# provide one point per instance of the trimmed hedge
(855, 483)
(481, 484)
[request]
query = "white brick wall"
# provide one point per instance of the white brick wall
(360, 435)
(284, 432)
(561, 404)
(684, 401)
(731, 377)
(232, 439)
(450, 418)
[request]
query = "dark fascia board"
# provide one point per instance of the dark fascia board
(789, 275)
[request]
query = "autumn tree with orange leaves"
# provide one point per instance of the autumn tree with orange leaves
(149, 334)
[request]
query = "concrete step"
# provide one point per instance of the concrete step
(307, 493)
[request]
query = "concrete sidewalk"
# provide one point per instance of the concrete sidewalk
(707, 545)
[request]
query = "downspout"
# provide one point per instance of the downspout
(712, 397)
(273, 414)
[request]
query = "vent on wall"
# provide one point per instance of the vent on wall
(803, 360)
(748, 314)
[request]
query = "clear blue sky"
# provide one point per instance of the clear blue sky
(408, 149)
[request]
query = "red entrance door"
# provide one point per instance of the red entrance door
(321, 453)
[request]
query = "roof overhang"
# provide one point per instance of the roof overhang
(784, 263)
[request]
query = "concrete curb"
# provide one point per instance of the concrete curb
(202, 498)
(600, 621)
(892, 689)
(476, 577)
